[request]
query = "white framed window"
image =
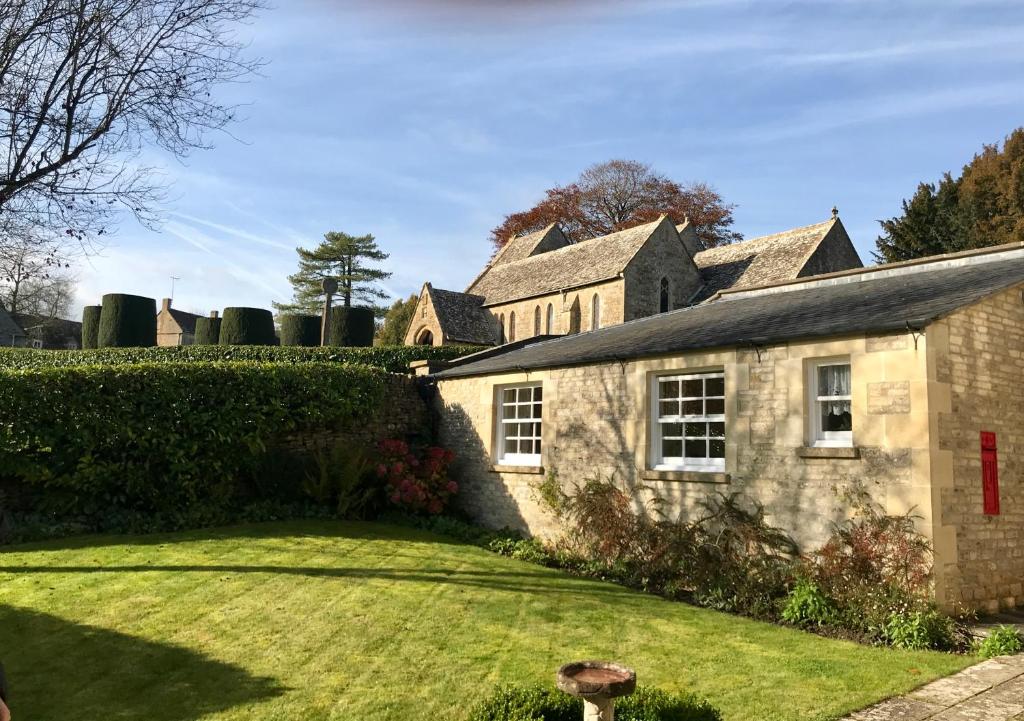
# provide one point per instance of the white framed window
(519, 425)
(831, 409)
(688, 422)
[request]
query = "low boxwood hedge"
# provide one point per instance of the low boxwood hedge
(161, 439)
(395, 359)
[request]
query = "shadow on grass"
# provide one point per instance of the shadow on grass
(501, 580)
(291, 529)
(59, 670)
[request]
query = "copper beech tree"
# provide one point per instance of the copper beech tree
(619, 194)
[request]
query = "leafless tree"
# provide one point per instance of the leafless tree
(35, 277)
(85, 85)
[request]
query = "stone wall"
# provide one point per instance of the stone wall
(425, 319)
(663, 256)
(978, 368)
(612, 302)
(402, 413)
(596, 424)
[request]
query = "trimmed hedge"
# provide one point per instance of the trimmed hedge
(91, 326)
(393, 358)
(300, 330)
(164, 442)
(207, 331)
(537, 703)
(351, 327)
(247, 326)
(127, 321)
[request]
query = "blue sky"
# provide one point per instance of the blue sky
(424, 123)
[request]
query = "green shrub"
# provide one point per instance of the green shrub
(166, 443)
(1001, 641)
(920, 630)
(91, 326)
(529, 703)
(127, 321)
(537, 703)
(341, 477)
(806, 605)
(300, 330)
(653, 704)
(207, 331)
(529, 550)
(351, 327)
(395, 359)
(247, 326)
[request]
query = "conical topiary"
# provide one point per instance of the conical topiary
(247, 326)
(127, 321)
(351, 326)
(300, 330)
(91, 326)
(207, 331)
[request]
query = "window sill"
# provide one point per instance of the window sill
(651, 474)
(531, 470)
(849, 452)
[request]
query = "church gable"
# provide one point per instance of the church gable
(447, 316)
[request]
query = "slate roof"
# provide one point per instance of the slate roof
(462, 317)
(8, 327)
(526, 245)
(877, 302)
(55, 333)
(759, 261)
(186, 321)
(579, 264)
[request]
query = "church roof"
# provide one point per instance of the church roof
(758, 261)
(873, 300)
(572, 266)
(462, 316)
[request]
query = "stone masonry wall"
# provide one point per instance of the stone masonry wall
(610, 292)
(663, 256)
(595, 424)
(979, 373)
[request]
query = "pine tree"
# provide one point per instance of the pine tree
(348, 259)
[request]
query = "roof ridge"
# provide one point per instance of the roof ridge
(751, 241)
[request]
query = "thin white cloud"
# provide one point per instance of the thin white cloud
(817, 119)
(234, 232)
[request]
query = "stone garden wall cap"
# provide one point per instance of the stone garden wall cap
(596, 679)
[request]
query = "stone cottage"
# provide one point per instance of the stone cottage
(906, 378)
(175, 327)
(541, 284)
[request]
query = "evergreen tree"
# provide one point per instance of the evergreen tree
(348, 259)
(983, 207)
(396, 321)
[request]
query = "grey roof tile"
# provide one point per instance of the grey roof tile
(579, 264)
(885, 302)
(462, 317)
(759, 261)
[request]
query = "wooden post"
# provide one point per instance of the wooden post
(330, 286)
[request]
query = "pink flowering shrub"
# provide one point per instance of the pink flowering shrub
(416, 480)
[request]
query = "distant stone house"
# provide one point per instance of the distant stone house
(175, 327)
(541, 284)
(50, 333)
(906, 378)
(11, 334)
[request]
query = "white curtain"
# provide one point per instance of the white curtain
(835, 381)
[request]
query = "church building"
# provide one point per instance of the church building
(542, 285)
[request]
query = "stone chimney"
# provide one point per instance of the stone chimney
(215, 314)
(165, 305)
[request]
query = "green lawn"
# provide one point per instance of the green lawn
(325, 620)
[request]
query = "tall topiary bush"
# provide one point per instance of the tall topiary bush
(300, 330)
(91, 326)
(351, 327)
(207, 331)
(127, 321)
(247, 326)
